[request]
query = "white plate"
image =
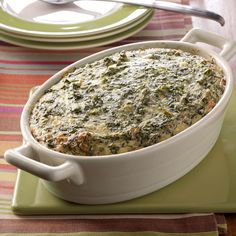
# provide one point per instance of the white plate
(81, 38)
(75, 45)
(82, 18)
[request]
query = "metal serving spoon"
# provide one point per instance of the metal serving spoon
(168, 6)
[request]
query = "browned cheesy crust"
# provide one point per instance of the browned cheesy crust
(126, 101)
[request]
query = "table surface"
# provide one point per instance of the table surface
(227, 10)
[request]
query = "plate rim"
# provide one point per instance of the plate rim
(124, 15)
(81, 38)
(77, 45)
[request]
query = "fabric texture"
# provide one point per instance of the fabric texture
(23, 68)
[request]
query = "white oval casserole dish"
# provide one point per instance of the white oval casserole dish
(120, 177)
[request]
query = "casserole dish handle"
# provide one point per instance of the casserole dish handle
(198, 35)
(68, 170)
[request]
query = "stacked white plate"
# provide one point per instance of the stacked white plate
(82, 24)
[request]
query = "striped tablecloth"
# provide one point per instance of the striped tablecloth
(20, 70)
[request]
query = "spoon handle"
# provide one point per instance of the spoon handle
(175, 7)
(163, 5)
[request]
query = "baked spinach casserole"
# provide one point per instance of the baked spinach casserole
(126, 101)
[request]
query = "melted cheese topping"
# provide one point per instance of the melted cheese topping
(127, 101)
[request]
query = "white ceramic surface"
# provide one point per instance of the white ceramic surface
(39, 19)
(114, 178)
(74, 13)
(86, 38)
(76, 45)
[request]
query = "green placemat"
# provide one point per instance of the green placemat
(209, 187)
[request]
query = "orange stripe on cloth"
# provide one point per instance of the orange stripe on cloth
(10, 137)
(14, 101)
(15, 93)
(25, 62)
(9, 116)
(29, 69)
(23, 79)
(6, 186)
(7, 167)
(14, 89)
(10, 86)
